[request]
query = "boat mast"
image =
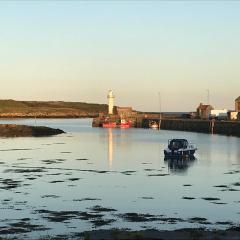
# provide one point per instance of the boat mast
(160, 110)
(208, 96)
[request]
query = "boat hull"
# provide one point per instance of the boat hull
(109, 125)
(124, 125)
(179, 153)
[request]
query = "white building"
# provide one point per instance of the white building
(232, 115)
(219, 113)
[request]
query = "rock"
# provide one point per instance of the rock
(12, 130)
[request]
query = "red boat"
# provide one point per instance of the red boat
(124, 124)
(109, 125)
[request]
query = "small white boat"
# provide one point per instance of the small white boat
(179, 148)
(153, 125)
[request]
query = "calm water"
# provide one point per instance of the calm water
(119, 169)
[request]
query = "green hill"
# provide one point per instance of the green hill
(12, 108)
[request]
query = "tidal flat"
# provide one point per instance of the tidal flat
(113, 181)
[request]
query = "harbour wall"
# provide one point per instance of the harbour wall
(228, 128)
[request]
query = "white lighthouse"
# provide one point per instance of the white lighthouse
(110, 101)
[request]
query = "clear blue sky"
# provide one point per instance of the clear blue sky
(77, 50)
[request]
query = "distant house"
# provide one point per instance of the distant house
(237, 104)
(232, 115)
(219, 114)
(204, 111)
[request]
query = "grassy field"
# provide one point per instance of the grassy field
(12, 108)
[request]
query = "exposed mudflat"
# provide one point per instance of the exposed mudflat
(153, 234)
(125, 234)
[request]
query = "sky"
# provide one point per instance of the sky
(78, 50)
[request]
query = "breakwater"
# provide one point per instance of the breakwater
(229, 128)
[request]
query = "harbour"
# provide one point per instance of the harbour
(228, 128)
(194, 122)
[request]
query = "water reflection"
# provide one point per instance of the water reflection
(110, 147)
(179, 164)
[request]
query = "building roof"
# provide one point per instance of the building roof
(238, 99)
(204, 106)
(124, 108)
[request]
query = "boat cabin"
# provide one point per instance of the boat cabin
(179, 148)
(175, 144)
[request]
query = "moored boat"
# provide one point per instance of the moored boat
(180, 148)
(153, 125)
(109, 125)
(124, 124)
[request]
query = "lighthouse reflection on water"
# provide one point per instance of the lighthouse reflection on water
(110, 147)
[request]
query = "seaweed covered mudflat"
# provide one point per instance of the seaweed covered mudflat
(126, 234)
(153, 234)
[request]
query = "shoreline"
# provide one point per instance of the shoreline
(47, 117)
(152, 234)
(148, 234)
